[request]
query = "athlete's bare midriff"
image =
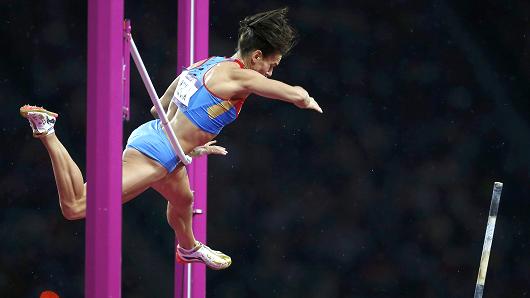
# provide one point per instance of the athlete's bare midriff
(188, 134)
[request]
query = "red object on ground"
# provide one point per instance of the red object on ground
(49, 294)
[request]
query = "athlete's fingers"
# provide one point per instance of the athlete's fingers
(314, 105)
(217, 150)
(210, 142)
(214, 147)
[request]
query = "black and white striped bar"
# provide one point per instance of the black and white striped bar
(488, 238)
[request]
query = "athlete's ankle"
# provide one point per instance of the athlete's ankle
(188, 246)
(48, 138)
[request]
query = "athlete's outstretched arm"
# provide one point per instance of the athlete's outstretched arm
(253, 82)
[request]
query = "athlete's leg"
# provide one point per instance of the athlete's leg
(68, 178)
(175, 188)
(139, 171)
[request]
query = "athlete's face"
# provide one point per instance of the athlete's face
(264, 64)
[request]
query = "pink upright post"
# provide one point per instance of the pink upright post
(104, 147)
(190, 280)
(126, 69)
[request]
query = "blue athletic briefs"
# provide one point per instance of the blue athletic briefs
(150, 139)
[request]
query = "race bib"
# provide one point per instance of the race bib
(185, 88)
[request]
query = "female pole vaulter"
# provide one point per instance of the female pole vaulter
(203, 99)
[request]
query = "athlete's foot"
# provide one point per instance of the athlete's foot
(203, 254)
(40, 120)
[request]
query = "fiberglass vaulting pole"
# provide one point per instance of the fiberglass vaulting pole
(190, 280)
(104, 148)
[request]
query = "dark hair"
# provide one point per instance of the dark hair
(267, 31)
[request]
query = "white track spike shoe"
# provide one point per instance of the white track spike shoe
(201, 253)
(40, 120)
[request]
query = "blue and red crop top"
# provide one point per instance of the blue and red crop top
(202, 107)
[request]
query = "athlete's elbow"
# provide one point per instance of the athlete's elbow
(153, 112)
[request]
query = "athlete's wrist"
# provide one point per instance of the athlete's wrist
(198, 151)
(302, 99)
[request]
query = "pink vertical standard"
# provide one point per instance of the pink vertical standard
(199, 169)
(104, 147)
(193, 46)
(126, 69)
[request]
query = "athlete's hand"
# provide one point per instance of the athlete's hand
(308, 102)
(311, 103)
(208, 148)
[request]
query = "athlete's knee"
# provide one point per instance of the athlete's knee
(72, 213)
(72, 216)
(183, 200)
(74, 209)
(187, 198)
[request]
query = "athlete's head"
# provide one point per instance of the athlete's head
(264, 38)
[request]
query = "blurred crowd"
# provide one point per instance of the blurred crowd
(386, 194)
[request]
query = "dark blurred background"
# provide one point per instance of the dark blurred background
(384, 195)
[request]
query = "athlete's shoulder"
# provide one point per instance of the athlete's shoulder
(217, 61)
(230, 63)
(239, 63)
(197, 64)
